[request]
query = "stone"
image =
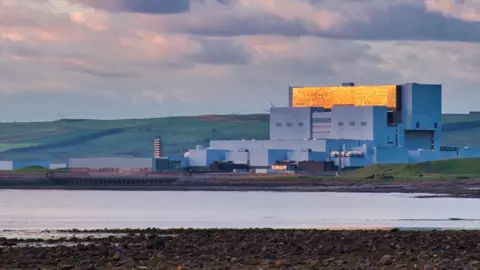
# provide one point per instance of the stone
(386, 260)
(328, 261)
(65, 267)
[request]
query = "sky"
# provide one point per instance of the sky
(107, 59)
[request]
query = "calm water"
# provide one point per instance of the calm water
(36, 210)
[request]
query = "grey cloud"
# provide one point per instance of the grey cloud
(58, 58)
(405, 22)
(139, 6)
(144, 6)
(398, 21)
(102, 73)
(220, 52)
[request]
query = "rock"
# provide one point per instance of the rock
(386, 260)
(328, 261)
(65, 267)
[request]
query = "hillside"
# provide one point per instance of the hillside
(435, 169)
(57, 141)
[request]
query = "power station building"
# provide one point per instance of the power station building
(353, 126)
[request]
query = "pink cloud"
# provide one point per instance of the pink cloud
(468, 11)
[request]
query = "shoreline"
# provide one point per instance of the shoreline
(433, 189)
(248, 249)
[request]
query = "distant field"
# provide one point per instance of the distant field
(57, 141)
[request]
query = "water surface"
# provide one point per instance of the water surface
(58, 209)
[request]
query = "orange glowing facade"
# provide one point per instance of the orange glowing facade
(329, 96)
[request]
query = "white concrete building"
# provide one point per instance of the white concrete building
(351, 135)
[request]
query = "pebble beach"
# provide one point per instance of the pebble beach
(246, 249)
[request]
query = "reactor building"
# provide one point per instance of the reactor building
(352, 126)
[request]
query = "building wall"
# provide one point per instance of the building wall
(299, 156)
(345, 145)
(359, 123)
(55, 166)
(116, 163)
(237, 157)
(321, 125)
(353, 162)
(205, 157)
(267, 157)
(290, 123)
(6, 165)
(418, 139)
(390, 155)
(234, 145)
(422, 104)
(469, 152)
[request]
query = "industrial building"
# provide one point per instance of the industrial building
(351, 126)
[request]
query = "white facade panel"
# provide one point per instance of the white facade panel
(237, 157)
(235, 145)
(118, 163)
(352, 123)
(299, 156)
(205, 157)
(267, 157)
(259, 158)
(57, 166)
(290, 123)
(197, 158)
(6, 165)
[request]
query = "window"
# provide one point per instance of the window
(340, 124)
(300, 124)
(289, 125)
(322, 120)
(418, 124)
(352, 124)
(435, 125)
(364, 124)
(278, 124)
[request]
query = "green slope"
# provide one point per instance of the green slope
(57, 141)
(453, 167)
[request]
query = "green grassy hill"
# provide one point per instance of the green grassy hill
(57, 141)
(433, 169)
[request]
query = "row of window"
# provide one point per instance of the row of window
(341, 124)
(352, 124)
(288, 125)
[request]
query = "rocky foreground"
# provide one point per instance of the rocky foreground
(250, 249)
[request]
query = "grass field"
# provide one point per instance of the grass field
(57, 141)
(442, 169)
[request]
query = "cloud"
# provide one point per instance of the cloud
(339, 19)
(220, 52)
(145, 6)
(244, 50)
(138, 6)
